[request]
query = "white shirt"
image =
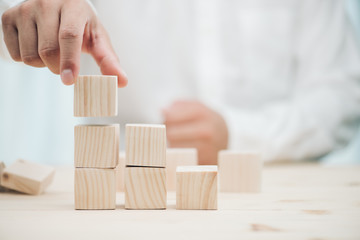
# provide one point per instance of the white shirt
(285, 74)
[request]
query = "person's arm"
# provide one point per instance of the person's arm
(53, 33)
(324, 109)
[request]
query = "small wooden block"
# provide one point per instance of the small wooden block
(239, 171)
(95, 188)
(95, 96)
(178, 157)
(2, 167)
(146, 145)
(27, 177)
(145, 188)
(97, 146)
(120, 173)
(196, 187)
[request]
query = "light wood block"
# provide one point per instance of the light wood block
(95, 96)
(145, 188)
(196, 187)
(97, 146)
(239, 171)
(95, 188)
(2, 167)
(178, 157)
(27, 177)
(120, 173)
(146, 145)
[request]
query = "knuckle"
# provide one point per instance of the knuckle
(16, 57)
(43, 4)
(49, 52)
(69, 33)
(30, 59)
(25, 9)
(6, 18)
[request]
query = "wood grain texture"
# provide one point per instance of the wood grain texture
(27, 177)
(239, 171)
(288, 190)
(145, 188)
(95, 188)
(196, 187)
(120, 173)
(146, 145)
(178, 157)
(96, 146)
(95, 96)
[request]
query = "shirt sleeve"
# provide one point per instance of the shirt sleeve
(323, 111)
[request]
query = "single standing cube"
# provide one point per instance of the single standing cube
(196, 187)
(239, 171)
(27, 177)
(95, 188)
(120, 173)
(178, 157)
(95, 96)
(145, 188)
(146, 145)
(97, 146)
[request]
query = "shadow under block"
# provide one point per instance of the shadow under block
(196, 187)
(145, 145)
(239, 171)
(27, 177)
(145, 188)
(95, 96)
(96, 146)
(178, 157)
(120, 173)
(95, 188)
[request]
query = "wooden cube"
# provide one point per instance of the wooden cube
(146, 145)
(95, 188)
(97, 146)
(95, 96)
(120, 173)
(27, 177)
(2, 167)
(196, 187)
(145, 188)
(239, 171)
(178, 157)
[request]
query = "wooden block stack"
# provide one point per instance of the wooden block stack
(239, 171)
(196, 187)
(145, 173)
(96, 146)
(178, 157)
(27, 177)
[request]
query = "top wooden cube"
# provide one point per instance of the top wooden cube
(146, 145)
(95, 96)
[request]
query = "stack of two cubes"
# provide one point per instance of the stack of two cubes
(145, 173)
(96, 146)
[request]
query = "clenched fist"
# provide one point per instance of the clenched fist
(192, 124)
(53, 33)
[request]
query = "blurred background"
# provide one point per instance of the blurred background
(36, 114)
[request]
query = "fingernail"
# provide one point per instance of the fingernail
(67, 77)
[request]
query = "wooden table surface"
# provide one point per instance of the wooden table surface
(297, 202)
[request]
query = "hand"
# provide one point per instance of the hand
(192, 124)
(53, 33)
